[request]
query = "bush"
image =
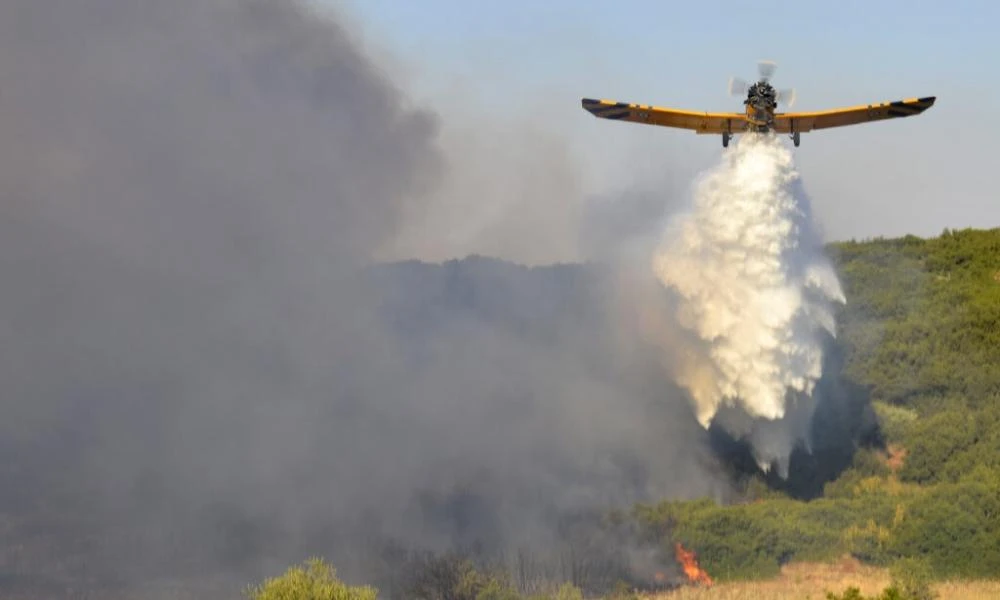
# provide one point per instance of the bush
(853, 593)
(912, 577)
(955, 527)
(313, 581)
(894, 421)
(893, 592)
(568, 591)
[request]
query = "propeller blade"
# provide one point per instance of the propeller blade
(787, 97)
(737, 87)
(766, 68)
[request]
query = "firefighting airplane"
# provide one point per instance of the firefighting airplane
(761, 101)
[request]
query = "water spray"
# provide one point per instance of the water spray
(750, 285)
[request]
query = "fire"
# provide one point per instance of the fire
(689, 562)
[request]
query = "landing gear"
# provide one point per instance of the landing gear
(795, 139)
(725, 140)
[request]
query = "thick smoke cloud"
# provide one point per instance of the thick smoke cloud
(198, 380)
(527, 187)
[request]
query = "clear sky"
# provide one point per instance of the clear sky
(500, 59)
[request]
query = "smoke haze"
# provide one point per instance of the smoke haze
(205, 375)
(201, 377)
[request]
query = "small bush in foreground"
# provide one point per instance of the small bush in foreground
(314, 581)
(911, 580)
(912, 576)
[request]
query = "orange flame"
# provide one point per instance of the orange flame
(689, 562)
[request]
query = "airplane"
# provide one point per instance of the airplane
(759, 116)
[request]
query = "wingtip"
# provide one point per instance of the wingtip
(590, 105)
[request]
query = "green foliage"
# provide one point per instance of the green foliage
(482, 585)
(922, 320)
(956, 527)
(568, 591)
(894, 421)
(934, 442)
(313, 581)
(910, 581)
(494, 589)
(921, 332)
(853, 593)
(749, 541)
(912, 577)
(439, 578)
(952, 444)
(451, 577)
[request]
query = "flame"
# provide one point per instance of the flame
(689, 562)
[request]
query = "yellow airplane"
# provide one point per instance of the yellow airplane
(760, 116)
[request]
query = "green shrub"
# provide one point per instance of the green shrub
(912, 577)
(894, 421)
(313, 581)
(955, 527)
(568, 591)
(853, 593)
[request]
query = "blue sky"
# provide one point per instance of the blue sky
(657, 44)
(503, 59)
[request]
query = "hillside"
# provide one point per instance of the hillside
(906, 462)
(921, 333)
(918, 495)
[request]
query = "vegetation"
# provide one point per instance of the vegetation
(313, 581)
(923, 320)
(817, 581)
(921, 333)
(447, 578)
(915, 492)
(919, 343)
(799, 581)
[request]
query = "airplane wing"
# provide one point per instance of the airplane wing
(839, 117)
(699, 122)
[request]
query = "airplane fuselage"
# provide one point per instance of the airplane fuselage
(760, 104)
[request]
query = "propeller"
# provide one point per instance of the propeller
(737, 86)
(786, 97)
(766, 68)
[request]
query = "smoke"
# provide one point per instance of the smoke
(205, 376)
(513, 190)
(202, 377)
(754, 294)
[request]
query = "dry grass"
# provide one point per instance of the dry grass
(968, 590)
(807, 581)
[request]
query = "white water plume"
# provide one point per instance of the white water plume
(752, 286)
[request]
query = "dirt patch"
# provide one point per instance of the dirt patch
(897, 457)
(848, 564)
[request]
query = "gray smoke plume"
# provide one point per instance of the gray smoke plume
(201, 378)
